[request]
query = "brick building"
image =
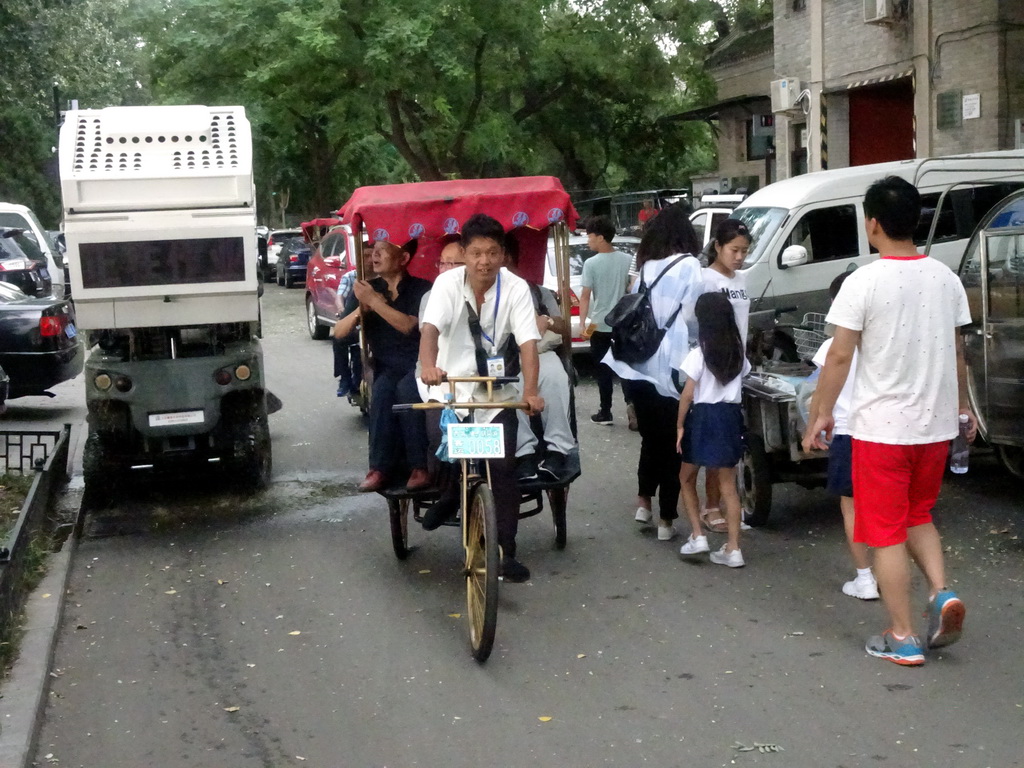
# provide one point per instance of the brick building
(879, 80)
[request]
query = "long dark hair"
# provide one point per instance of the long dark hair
(719, 336)
(669, 233)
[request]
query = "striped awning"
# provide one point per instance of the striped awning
(870, 81)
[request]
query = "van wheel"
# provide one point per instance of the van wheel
(101, 471)
(1012, 457)
(251, 460)
(317, 332)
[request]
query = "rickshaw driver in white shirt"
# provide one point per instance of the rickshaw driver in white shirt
(504, 306)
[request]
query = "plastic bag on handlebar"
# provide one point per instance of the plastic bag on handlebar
(448, 416)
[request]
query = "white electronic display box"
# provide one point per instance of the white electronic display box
(159, 216)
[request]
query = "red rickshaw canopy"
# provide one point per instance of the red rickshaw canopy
(433, 211)
(309, 228)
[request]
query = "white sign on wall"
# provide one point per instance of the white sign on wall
(972, 106)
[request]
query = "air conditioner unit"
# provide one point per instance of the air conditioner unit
(785, 94)
(878, 12)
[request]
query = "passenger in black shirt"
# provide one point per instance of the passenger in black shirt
(388, 307)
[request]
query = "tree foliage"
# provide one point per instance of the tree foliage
(81, 48)
(347, 93)
(343, 93)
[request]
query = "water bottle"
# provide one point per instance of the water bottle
(960, 451)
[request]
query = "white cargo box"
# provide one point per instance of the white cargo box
(163, 268)
(155, 158)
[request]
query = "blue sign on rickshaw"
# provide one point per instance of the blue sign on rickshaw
(476, 441)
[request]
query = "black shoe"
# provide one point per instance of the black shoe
(604, 418)
(440, 512)
(554, 466)
(526, 467)
(513, 571)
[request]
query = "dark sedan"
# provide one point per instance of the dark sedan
(39, 344)
(22, 264)
(291, 262)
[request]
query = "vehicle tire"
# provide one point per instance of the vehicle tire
(251, 459)
(558, 499)
(289, 281)
(280, 279)
(754, 481)
(1012, 457)
(317, 332)
(399, 512)
(482, 564)
(100, 469)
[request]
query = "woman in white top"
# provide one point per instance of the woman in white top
(710, 422)
(653, 386)
(722, 275)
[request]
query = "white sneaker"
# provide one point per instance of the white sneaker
(666, 532)
(733, 559)
(643, 515)
(862, 589)
(695, 545)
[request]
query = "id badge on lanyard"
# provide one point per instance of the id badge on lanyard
(495, 363)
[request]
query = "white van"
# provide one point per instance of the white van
(20, 217)
(808, 229)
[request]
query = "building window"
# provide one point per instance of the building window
(760, 135)
(799, 5)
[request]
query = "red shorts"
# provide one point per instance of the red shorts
(895, 487)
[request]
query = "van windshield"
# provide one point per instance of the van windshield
(762, 223)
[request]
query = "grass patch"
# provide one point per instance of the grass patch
(14, 488)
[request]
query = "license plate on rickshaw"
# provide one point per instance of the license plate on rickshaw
(476, 441)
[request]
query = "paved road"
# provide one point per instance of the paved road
(275, 631)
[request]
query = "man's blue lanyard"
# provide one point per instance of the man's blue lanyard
(494, 327)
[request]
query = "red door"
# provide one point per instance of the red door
(882, 123)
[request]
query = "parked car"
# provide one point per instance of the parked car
(706, 220)
(276, 240)
(579, 252)
(291, 262)
(39, 343)
(22, 264)
(332, 259)
(21, 217)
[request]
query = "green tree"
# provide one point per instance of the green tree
(351, 92)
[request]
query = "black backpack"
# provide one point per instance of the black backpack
(635, 333)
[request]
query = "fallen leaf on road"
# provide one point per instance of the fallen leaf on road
(796, 634)
(300, 757)
(171, 592)
(296, 632)
(221, 581)
(581, 655)
(544, 718)
(250, 666)
(231, 709)
(996, 531)
(46, 594)
(425, 570)
(455, 615)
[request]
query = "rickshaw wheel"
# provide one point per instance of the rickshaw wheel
(1012, 457)
(558, 501)
(754, 481)
(482, 565)
(399, 514)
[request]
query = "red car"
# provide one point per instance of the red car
(330, 260)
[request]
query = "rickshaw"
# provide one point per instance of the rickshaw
(775, 405)
(532, 209)
(992, 272)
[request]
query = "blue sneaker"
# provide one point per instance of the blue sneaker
(945, 614)
(344, 388)
(909, 652)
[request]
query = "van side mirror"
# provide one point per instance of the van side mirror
(793, 256)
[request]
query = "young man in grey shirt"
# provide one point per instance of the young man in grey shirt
(605, 280)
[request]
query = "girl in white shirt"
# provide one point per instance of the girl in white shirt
(709, 426)
(722, 275)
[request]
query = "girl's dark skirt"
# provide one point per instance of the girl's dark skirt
(713, 435)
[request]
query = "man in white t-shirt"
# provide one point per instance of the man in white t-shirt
(902, 313)
(839, 480)
(486, 295)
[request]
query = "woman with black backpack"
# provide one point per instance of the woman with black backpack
(650, 339)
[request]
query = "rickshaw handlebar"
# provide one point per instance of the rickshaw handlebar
(493, 380)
